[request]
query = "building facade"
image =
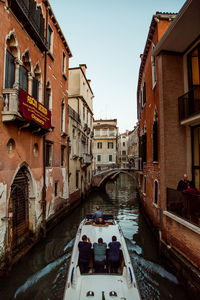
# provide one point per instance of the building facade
(105, 143)
(33, 123)
(169, 139)
(80, 132)
(123, 148)
(133, 148)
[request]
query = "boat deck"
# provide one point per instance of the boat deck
(99, 283)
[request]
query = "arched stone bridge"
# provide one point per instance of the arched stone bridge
(100, 177)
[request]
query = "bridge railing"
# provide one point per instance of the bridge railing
(102, 169)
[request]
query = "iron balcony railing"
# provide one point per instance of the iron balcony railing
(73, 114)
(32, 19)
(189, 103)
(186, 206)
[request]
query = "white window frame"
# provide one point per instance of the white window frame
(153, 67)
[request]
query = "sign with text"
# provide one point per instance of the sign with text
(33, 110)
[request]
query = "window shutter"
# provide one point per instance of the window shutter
(155, 141)
(10, 70)
(23, 78)
(35, 85)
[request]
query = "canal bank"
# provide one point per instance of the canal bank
(41, 274)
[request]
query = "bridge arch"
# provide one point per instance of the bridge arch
(106, 176)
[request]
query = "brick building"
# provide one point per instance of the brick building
(33, 123)
(175, 214)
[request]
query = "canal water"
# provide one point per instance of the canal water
(41, 274)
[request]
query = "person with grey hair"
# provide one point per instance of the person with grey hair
(183, 183)
(98, 214)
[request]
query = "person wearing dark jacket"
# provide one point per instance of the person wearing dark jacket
(183, 183)
(84, 247)
(114, 254)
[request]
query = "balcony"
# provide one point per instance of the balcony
(73, 114)
(186, 206)
(85, 128)
(31, 18)
(189, 107)
(10, 110)
(11, 113)
(86, 160)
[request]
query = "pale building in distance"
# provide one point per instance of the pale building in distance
(123, 148)
(80, 121)
(133, 148)
(105, 143)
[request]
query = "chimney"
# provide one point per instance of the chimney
(83, 67)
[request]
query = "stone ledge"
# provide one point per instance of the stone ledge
(183, 222)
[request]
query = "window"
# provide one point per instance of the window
(48, 156)
(143, 94)
(48, 96)
(110, 145)
(98, 157)
(23, 78)
(144, 185)
(155, 141)
(77, 179)
(111, 132)
(123, 152)
(142, 147)
(124, 144)
(56, 188)
(96, 132)
(62, 155)
(99, 145)
(62, 116)
(104, 132)
(50, 38)
(153, 66)
(35, 86)
(110, 157)
(156, 192)
(83, 113)
(64, 64)
(10, 70)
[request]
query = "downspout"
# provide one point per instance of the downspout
(44, 139)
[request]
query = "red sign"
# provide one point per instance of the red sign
(33, 110)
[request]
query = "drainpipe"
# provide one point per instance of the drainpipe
(44, 140)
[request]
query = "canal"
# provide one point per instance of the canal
(41, 274)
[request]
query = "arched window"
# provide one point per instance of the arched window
(23, 71)
(63, 116)
(10, 61)
(36, 83)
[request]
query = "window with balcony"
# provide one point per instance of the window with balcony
(9, 70)
(194, 67)
(110, 145)
(99, 145)
(23, 78)
(35, 87)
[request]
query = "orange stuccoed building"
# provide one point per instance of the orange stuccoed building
(33, 124)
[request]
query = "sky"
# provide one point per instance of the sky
(109, 36)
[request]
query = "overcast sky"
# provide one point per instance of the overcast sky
(109, 36)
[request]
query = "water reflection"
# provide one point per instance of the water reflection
(42, 273)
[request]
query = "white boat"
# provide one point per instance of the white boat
(93, 286)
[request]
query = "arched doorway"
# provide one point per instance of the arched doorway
(19, 205)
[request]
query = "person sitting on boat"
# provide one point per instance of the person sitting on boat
(98, 214)
(84, 247)
(99, 256)
(100, 222)
(114, 254)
